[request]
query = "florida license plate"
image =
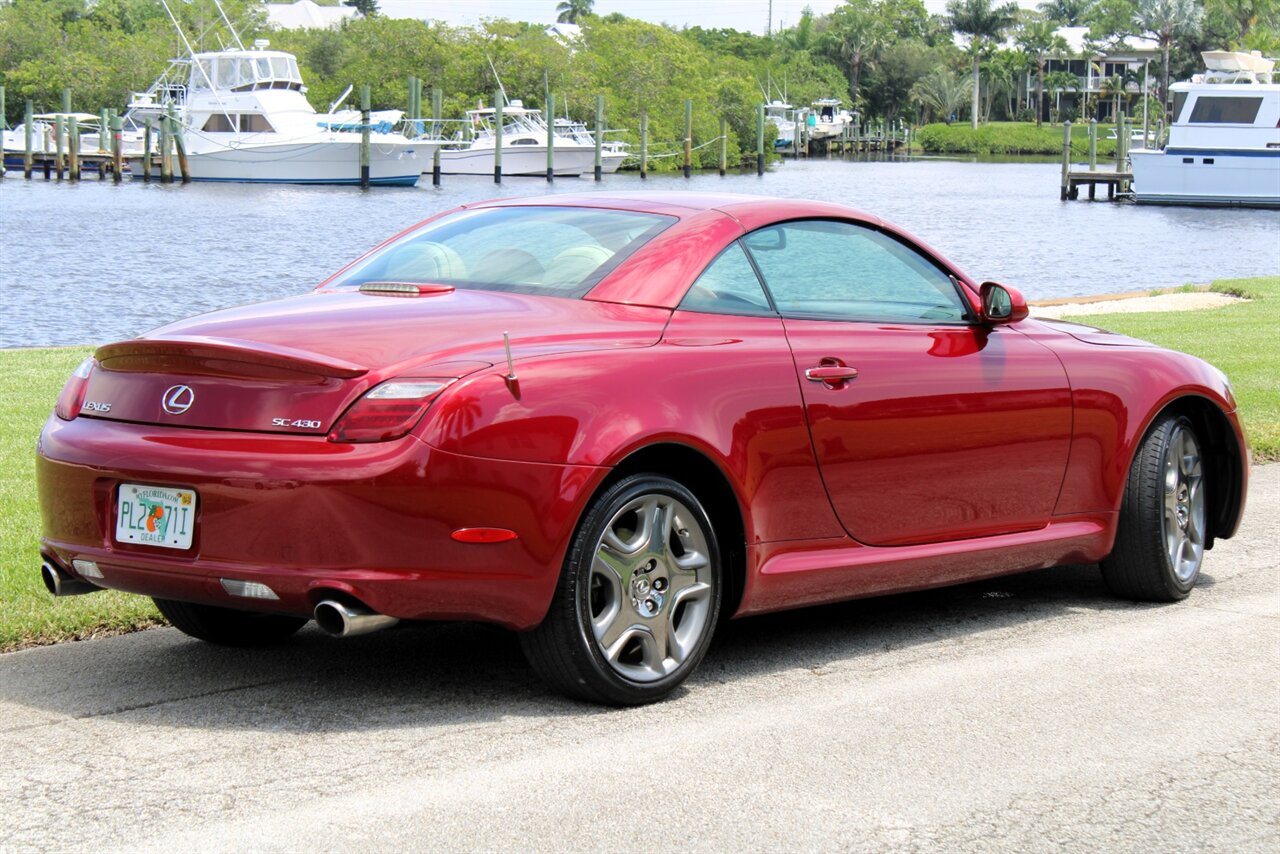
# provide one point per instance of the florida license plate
(155, 516)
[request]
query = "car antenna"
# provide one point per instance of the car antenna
(511, 368)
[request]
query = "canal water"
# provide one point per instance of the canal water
(92, 262)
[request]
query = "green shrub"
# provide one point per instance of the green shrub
(1010, 138)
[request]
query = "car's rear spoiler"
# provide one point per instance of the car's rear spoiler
(145, 354)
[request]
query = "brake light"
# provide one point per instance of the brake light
(387, 411)
(71, 398)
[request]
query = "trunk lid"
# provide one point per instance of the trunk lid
(295, 365)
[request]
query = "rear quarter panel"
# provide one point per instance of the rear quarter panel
(724, 386)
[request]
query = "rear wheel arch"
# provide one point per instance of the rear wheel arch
(698, 473)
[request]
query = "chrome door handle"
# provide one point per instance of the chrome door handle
(830, 374)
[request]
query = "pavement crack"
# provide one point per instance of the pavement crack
(120, 710)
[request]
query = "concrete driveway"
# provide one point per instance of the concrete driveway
(1027, 713)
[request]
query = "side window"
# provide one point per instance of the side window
(729, 285)
(831, 270)
(219, 123)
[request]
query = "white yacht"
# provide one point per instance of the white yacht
(244, 117)
(613, 152)
(783, 116)
(524, 146)
(1224, 142)
(827, 119)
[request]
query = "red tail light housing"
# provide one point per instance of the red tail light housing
(388, 411)
(71, 398)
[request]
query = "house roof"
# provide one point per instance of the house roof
(306, 15)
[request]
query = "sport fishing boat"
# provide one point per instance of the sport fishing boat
(828, 120)
(1224, 142)
(524, 145)
(244, 116)
(783, 117)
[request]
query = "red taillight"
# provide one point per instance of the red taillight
(71, 398)
(388, 411)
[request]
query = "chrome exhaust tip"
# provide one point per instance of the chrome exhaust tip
(344, 621)
(59, 583)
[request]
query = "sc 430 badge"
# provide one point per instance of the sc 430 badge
(298, 423)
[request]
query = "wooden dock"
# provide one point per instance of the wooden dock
(1081, 176)
(1118, 179)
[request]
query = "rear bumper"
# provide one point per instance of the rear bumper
(307, 517)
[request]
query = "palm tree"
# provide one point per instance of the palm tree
(940, 92)
(1067, 13)
(1039, 40)
(1163, 21)
(984, 25)
(854, 35)
(366, 8)
(1001, 70)
(803, 36)
(1056, 82)
(570, 11)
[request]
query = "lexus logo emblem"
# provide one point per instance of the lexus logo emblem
(178, 399)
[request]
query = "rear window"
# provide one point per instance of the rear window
(555, 251)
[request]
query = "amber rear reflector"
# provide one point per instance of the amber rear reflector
(483, 535)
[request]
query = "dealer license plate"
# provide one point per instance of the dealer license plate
(155, 516)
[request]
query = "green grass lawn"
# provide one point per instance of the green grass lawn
(29, 384)
(1243, 340)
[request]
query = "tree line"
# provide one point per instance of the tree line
(889, 59)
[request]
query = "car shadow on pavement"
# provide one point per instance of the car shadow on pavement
(440, 674)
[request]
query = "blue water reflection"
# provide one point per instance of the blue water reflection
(93, 262)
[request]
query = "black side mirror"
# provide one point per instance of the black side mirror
(1001, 303)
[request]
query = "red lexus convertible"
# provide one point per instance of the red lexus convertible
(606, 422)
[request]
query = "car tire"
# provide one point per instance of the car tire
(638, 597)
(226, 626)
(1161, 532)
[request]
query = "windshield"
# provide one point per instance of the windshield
(556, 251)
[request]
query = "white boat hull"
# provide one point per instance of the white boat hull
(1247, 178)
(522, 160)
(390, 164)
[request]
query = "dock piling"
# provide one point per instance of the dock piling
(73, 148)
(760, 140)
(724, 145)
(117, 145)
(27, 119)
(1066, 159)
(1093, 155)
(179, 144)
(59, 128)
(688, 138)
(1122, 152)
(551, 138)
(415, 105)
(166, 163)
(365, 104)
(599, 137)
(437, 101)
(146, 154)
(497, 140)
(644, 144)
(104, 124)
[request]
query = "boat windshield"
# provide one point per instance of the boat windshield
(554, 251)
(245, 72)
